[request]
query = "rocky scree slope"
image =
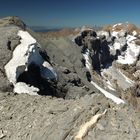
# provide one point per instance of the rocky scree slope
(59, 69)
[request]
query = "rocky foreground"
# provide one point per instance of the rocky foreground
(52, 87)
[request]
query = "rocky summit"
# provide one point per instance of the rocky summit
(73, 84)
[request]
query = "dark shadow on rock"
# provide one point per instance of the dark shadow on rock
(99, 50)
(44, 55)
(9, 45)
(88, 75)
(33, 77)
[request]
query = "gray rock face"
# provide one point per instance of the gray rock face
(8, 41)
(12, 21)
(7, 34)
(70, 68)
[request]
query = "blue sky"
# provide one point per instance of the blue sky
(71, 13)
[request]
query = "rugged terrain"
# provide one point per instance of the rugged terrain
(52, 83)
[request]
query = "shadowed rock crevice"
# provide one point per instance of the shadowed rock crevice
(33, 77)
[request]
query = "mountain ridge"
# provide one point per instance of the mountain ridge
(89, 80)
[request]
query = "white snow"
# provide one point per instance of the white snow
(122, 33)
(109, 85)
(115, 34)
(118, 24)
(131, 53)
(25, 53)
(21, 87)
(101, 33)
(118, 34)
(20, 57)
(111, 88)
(130, 38)
(86, 56)
(126, 78)
(108, 95)
(134, 33)
(133, 50)
(117, 45)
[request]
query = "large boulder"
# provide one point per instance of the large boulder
(70, 66)
(23, 61)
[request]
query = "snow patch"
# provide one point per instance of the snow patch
(134, 33)
(86, 56)
(130, 38)
(25, 53)
(131, 54)
(115, 34)
(132, 51)
(108, 95)
(118, 24)
(117, 45)
(111, 88)
(109, 85)
(103, 33)
(126, 78)
(118, 34)
(21, 87)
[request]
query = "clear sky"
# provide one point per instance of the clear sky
(71, 13)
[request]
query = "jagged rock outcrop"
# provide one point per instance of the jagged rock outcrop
(69, 64)
(117, 42)
(97, 46)
(114, 53)
(23, 60)
(7, 34)
(25, 63)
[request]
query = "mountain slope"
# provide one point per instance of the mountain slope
(80, 76)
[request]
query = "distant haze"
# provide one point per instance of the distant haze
(72, 13)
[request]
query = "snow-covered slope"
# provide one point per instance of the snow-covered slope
(124, 37)
(132, 52)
